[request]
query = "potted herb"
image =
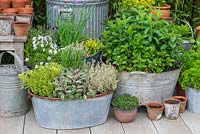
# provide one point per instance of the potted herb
(60, 96)
(125, 107)
(154, 110)
(189, 78)
(146, 52)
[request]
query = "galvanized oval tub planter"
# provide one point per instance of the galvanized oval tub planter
(13, 100)
(193, 96)
(148, 87)
(94, 25)
(71, 114)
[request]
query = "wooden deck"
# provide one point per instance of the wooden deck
(187, 123)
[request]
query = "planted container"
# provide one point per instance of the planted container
(193, 100)
(94, 25)
(172, 107)
(5, 26)
(13, 100)
(71, 114)
(164, 10)
(183, 102)
(155, 110)
(148, 87)
(21, 28)
(125, 116)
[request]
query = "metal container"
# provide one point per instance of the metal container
(72, 114)
(172, 107)
(13, 100)
(94, 24)
(193, 96)
(148, 87)
(5, 26)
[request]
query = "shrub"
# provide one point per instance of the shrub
(139, 41)
(40, 81)
(190, 75)
(125, 102)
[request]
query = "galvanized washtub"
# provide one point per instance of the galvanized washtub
(59, 114)
(94, 24)
(13, 100)
(149, 87)
(193, 96)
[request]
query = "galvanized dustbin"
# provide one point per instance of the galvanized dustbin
(94, 24)
(13, 100)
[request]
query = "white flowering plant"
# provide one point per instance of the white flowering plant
(41, 48)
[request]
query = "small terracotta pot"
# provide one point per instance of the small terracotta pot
(198, 31)
(18, 3)
(21, 28)
(5, 3)
(26, 10)
(164, 10)
(183, 103)
(9, 11)
(125, 116)
(155, 110)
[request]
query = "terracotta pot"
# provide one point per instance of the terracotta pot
(164, 10)
(5, 26)
(5, 3)
(183, 103)
(198, 31)
(18, 3)
(9, 11)
(172, 107)
(1, 9)
(125, 116)
(155, 110)
(21, 28)
(26, 10)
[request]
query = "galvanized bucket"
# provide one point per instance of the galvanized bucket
(13, 100)
(59, 114)
(94, 24)
(148, 87)
(193, 96)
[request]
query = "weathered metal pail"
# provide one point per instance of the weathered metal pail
(71, 114)
(13, 100)
(148, 87)
(94, 25)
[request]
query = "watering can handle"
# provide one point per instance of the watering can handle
(17, 59)
(140, 73)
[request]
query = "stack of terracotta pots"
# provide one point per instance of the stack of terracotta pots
(15, 15)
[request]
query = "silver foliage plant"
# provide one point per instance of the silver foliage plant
(86, 82)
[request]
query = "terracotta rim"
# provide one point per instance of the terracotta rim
(9, 10)
(47, 98)
(122, 110)
(180, 97)
(148, 105)
(164, 7)
(5, 19)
